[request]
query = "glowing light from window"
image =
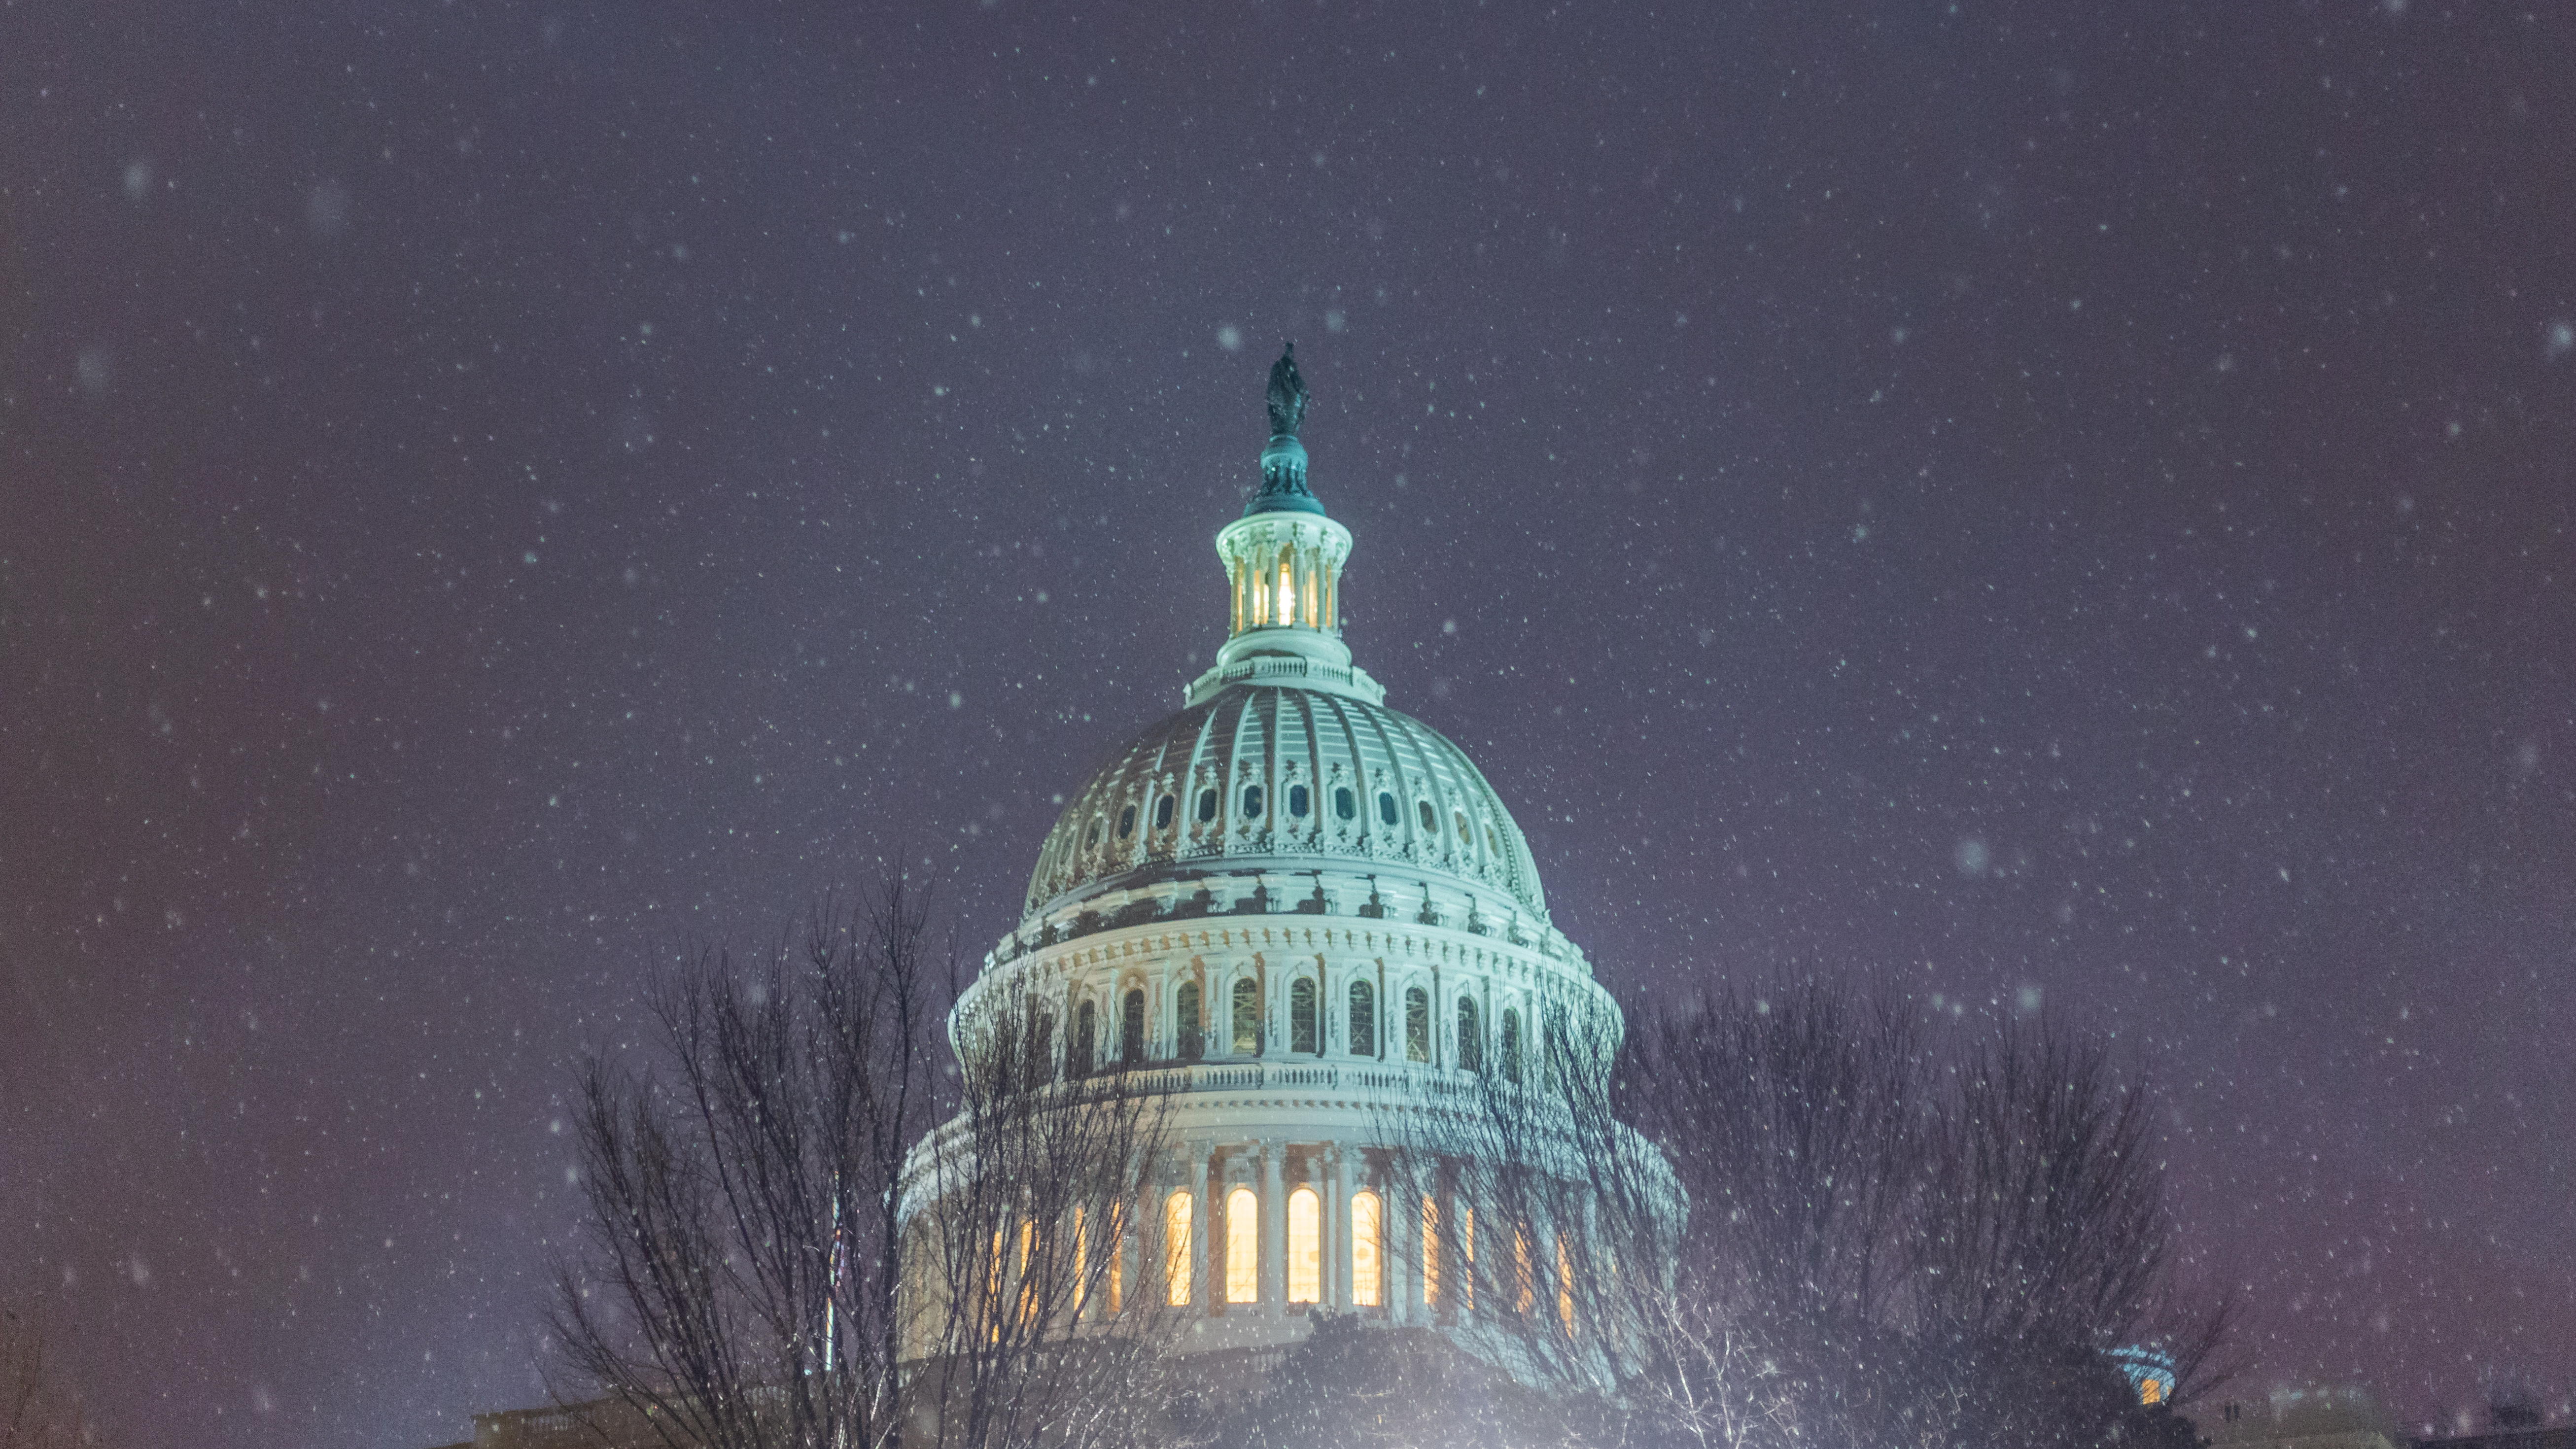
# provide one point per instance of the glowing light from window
(1305, 1247)
(1176, 1249)
(1242, 1247)
(1367, 1276)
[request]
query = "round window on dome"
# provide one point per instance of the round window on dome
(1207, 806)
(1163, 813)
(1386, 807)
(1251, 802)
(1297, 801)
(1430, 820)
(1461, 817)
(1492, 844)
(1345, 805)
(1127, 822)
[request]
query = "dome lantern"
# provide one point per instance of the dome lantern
(1283, 568)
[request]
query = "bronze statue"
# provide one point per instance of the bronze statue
(1287, 394)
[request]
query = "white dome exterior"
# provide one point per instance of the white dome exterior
(1301, 914)
(1278, 778)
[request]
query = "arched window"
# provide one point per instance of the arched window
(1417, 1025)
(1471, 1040)
(1251, 802)
(1185, 1019)
(1386, 807)
(1086, 1037)
(1127, 822)
(1467, 1256)
(1302, 1035)
(1207, 805)
(1565, 1283)
(1430, 822)
(1363, 1019)
(1163, 813)
(1091, 837)
(1247, 1016)
(1176, 1249)
(1242, 1246)
(1131, 1028)
(1430, 1249)
(1524, 1272)
(1305, 1246)
(1297, 801)
(1040, 1060)
(1345, 804)
(1511, 1045)
(1368, 1277)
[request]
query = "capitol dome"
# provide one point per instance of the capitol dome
(1304, 923)
(1270, 777)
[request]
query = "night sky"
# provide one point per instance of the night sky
(2050, 503)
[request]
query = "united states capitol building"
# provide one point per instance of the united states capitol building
(1295, 919)
(1304, 911)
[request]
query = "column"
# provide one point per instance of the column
(1207, 1293)
(1274, 1232)
(1339, 1238)
(1404, 1249)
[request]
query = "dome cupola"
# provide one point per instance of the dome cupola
(1283, 568)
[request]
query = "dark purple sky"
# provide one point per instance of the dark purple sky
(2012, 496)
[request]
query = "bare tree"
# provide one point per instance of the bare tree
(1556, 1235)
(740, 1287)
(1886, 1242)
(1033, 1325)
(2043, 1239)
(781, 1250)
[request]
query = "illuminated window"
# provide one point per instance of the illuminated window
(1302, 1033)
(1471, 1040)
(1085, 1038)
(1363, 1019)
(1417, 1025)
(1287, 595)
(1185, 1014)
(1492, 846)
(1163, 813)
(1251, 802)
(1386, 807)
(1117, 1263)
(1176, 1249)
(1430, 1249)
(1297, 801)
(1207, 806)
(2151, 1390)
(1460, 816)
(1511, 1045)
(1466, 1257)
(1081, 1257)
(1028, 1280)
(1430, 822)
(1367, 1275)
(1247, 1016)
(1565, 1283)
(1127, 822)
(1131, 1028)
(1305, 1246)
(1345, 804)
(1242, 1246)
(1524, 1274)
